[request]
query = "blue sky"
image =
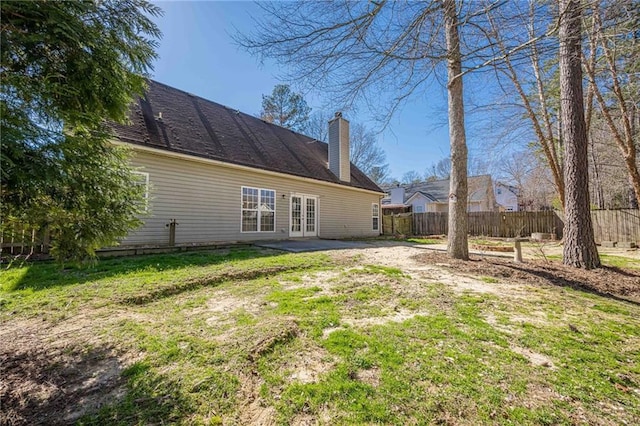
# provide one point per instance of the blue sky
(197, 54)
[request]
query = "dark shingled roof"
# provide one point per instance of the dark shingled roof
(195, 126)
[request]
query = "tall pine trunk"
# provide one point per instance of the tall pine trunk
(458, 247)
(580, 247)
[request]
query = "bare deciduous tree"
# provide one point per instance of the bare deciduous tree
(612, 45)
(610, 62)
(360, 50)
(411, 177)
(317, 127)
(379, 174)
(608, 178)
(536, 105)
(440, 170)
(365, 152)
(526, 171)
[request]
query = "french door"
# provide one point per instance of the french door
(304, 216)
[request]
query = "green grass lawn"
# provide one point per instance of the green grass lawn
(426, 241)
(249, 335)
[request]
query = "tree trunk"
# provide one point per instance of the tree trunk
(579, 244)
(458, 247)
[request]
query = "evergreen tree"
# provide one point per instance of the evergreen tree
(68, 68)
(285, 108)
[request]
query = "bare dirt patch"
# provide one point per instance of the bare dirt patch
(438, 268)
(397, 316)
(45, 383)
(435, 265)
(322, 279)
(370, 376)
(309, 365)
(253, 409)
(607, 281)
(224, 305)
(534, 358)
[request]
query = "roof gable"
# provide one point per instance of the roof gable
(170, 119)
(438, 190)
(420, 194)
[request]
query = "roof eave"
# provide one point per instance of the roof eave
(194, 157)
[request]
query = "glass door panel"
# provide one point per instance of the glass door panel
(296, 216)
(303, 216)
(310, 228)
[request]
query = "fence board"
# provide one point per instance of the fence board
(491, 224)
(397, 224)
(616, 225)
(16, 239)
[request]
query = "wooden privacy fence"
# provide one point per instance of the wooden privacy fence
(18, 239)
(608, 225)
(397, 224)
(492, 224)
(616, 225)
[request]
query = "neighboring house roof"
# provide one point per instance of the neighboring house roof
(173, 120)
(426, 195)
(437, 191)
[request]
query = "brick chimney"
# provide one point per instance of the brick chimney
(339, 161)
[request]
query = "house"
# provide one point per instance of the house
(222, 175)
(433, 196)
(506, 197)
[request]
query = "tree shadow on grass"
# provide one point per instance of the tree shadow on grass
(150, 399)
(608, 282)
(611, 292)
(45, 275)
(43, 385)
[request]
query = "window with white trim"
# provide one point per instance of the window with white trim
(375, 216)
(142, 179)
(258, 210)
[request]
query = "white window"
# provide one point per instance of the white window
(258, 210)
(142, 179)
(375, 216)
(419, 209)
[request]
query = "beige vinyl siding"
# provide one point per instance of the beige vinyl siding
(205, 200)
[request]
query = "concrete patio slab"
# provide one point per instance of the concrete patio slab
(299, 246)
